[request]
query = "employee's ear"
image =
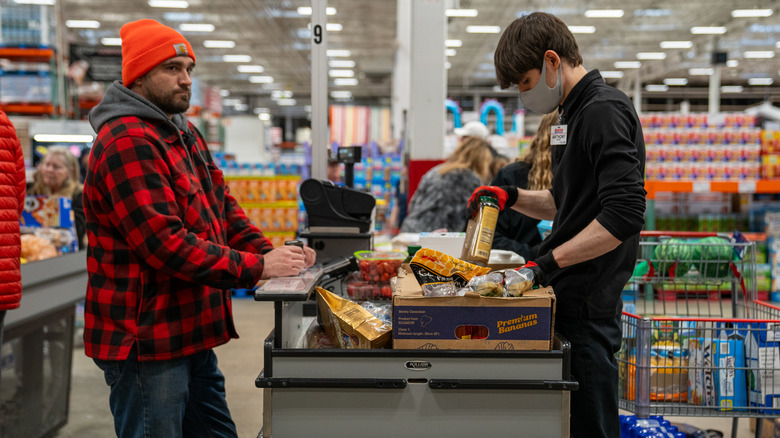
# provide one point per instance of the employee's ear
(552, 57)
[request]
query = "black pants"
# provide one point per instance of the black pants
(594, 407)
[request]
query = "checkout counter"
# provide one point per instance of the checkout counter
(37, 348)
(391, 392)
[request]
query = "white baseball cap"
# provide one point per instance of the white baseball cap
(473, 129)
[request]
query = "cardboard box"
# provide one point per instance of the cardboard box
(47, 211)
(470, 322)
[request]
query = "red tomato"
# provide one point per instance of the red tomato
(386, 291)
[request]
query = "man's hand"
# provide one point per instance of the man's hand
(286, 261)
(311, 256)
(505, 195)
(543, 266)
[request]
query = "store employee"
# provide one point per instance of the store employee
(597, 203)
(167, 242)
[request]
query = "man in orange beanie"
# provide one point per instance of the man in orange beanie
(167, 242)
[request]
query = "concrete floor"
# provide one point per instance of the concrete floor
(241, 361)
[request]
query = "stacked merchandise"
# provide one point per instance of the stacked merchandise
(702, 146)
(358, 125)
(711, 212)
(380, 176)
(26, 35)
(268, 194)
(770, 154)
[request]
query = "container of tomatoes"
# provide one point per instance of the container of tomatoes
(360, 290)
(379, 266)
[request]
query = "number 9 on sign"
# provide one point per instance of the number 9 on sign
(317, 34)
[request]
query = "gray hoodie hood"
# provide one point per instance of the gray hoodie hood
(120, 101)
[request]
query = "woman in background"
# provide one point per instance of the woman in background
(58, 174)
(515, 231)
(438, 202)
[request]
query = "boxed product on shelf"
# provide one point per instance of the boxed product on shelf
(47, 218)
(470, 322)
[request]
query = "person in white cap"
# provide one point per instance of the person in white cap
(473, 129)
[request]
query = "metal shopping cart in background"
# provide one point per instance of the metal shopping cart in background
(696, 341)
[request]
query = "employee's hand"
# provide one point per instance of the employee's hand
(542, 267)
(284, 261)
(505, 195)
(310, 256)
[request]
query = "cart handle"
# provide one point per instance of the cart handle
(653, 233)
(693, 319)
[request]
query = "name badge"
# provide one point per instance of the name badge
(558, 135)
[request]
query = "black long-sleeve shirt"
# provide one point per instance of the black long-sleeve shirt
(516, 231)
(598, 174)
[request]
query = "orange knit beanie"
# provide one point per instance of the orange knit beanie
(145, 44)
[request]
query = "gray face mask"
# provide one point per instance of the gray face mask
(542, 99)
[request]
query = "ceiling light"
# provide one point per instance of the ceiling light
(237, 58)
(341, 73)
(450, 52)
(63, 138)
(231, 102)
(264, 116)
(651, 55)
(732, 63)
(657, 88)
(111, 41)
(628, 64)
(706, 71)
(341, 94)
(250, 68)
(339, 53)
(196, 27)
(604, 13)
(35, 2)
(285, 102)
(260, 110)
(751, 13)
(241, 107)
(611, 74)
(453, 43)
(461, 12)
(582, 29)
(224, 93)
(261, 79)
(731, 89)
(708, 30)
(760, 81)
(759, 54)
(345, 81)
(83, 24)
(447, 65)
(219, 44)
(341, 63)
(179, 4)
(333, 27)
(676, 44)
(483, 29)
(676, 81)
(306, 10)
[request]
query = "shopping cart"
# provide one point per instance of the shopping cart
(696, 341)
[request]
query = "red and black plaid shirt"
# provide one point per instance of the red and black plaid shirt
(166, 242)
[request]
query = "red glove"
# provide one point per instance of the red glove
(505, 195)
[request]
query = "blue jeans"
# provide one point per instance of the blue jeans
(175, 398)
(594, 406)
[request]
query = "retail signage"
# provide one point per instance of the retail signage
(104, 64)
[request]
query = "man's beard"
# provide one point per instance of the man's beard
(169, 102)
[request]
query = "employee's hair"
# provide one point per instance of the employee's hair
(538, 155)
(71, 185)
(522, 46)
(472, 153)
